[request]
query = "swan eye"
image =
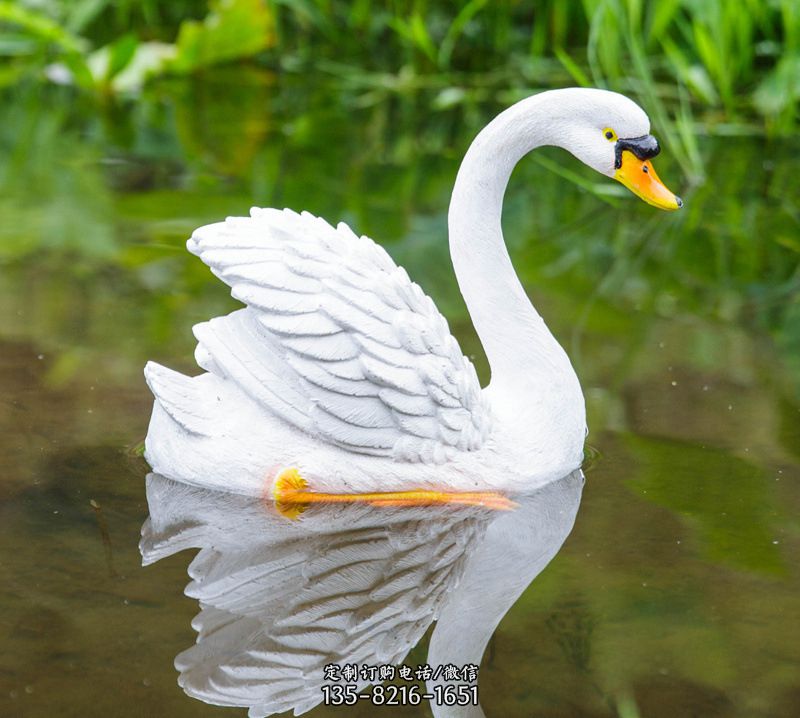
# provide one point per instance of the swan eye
(645, 170)
(610, 134)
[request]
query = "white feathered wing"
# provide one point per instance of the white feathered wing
(336, 340)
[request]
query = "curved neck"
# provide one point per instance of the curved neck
(514, 551)
(522, 352)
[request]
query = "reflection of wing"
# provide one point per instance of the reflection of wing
(337, 340)
(280, 600)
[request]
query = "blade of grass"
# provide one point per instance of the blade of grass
(448, 44)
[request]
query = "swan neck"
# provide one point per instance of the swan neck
(518, 345)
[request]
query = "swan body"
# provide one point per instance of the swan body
(343, 369)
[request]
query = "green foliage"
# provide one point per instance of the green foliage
(735, 65)
(233, 29)
(736, 59)
(33, 38)
(208, 146)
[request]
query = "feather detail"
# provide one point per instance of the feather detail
(182, 397)
(337, 340)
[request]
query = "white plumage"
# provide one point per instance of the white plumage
(341, 370)
(340, 367)
(337, 340)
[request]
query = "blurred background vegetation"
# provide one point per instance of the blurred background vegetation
(737, 65)
(125, 124)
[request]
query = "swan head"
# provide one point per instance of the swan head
(611, 134)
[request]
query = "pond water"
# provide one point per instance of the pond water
(677, 592)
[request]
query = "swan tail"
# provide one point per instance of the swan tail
(182, 398)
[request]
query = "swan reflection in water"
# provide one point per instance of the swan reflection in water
(345, 585)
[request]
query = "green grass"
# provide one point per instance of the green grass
(697, 64)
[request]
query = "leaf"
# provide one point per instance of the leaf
(80, 14)
(693, 75)
(232, 30)
(663, 13)
(17, 44)
(466, 14)
(79, 70)
(602, 190)
(780, 88)
(788, 241)
(121, 52)
(572, 68)
(422, 38)
(44, 31)
(149, 59)
(41, 27)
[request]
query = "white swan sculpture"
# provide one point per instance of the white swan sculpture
(340, 381)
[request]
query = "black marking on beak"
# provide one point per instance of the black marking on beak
(643, 147)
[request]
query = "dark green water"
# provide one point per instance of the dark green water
(678, 592)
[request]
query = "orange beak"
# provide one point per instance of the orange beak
(641, 179)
